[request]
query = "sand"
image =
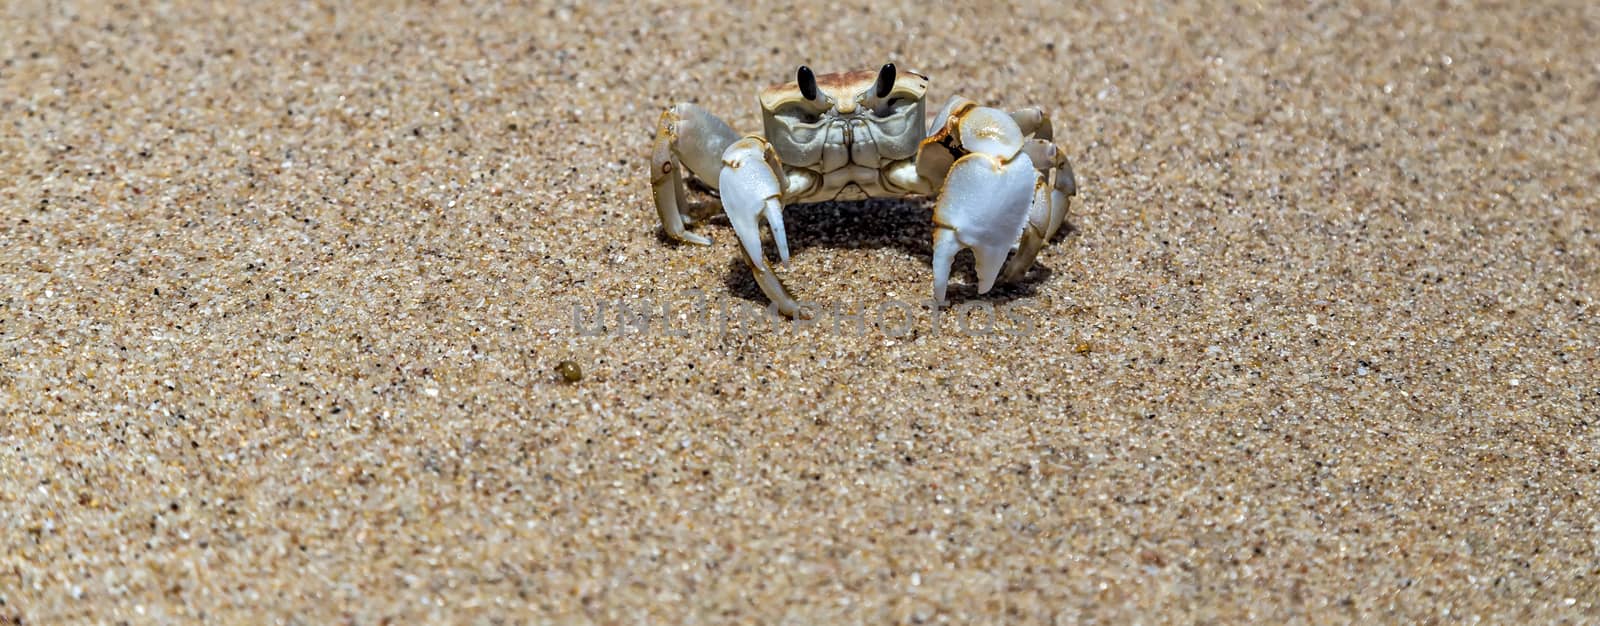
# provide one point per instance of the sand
(284, 291)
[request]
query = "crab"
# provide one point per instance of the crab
(1000, 185)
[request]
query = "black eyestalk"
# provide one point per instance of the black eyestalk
(808, 83)
(885, 81)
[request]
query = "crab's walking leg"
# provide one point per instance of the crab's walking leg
(985, 198)
(686, 136)
(1034, 122)
(1055, 186)
(751, 186)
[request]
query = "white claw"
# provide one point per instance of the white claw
(985, 200)
(750, 187)
(983, 206)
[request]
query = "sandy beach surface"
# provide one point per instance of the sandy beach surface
(286, 290)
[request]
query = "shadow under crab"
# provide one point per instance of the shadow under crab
(873, 225)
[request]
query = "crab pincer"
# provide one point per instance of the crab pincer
(751, 185)
(985, 200)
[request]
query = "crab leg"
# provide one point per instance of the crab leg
(686, 136)
(985, 198)
(1052, 163)
(1049, 207)
(1056, 185)
(751, 186)
(1034, 122)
